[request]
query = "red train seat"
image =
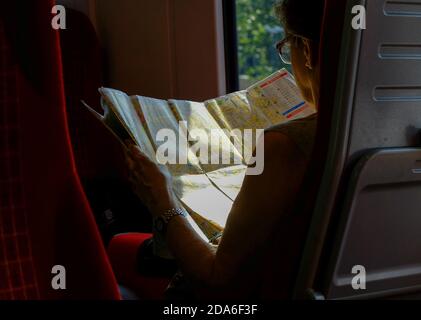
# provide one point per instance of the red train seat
(45, 219)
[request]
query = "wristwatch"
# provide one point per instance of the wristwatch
(161, 222)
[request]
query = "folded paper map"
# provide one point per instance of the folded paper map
(206, 189)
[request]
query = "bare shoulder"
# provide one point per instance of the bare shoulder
(283, 164)
(281, 151)
(273, 190)
(278, 142)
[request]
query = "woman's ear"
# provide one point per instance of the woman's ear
(308, 54)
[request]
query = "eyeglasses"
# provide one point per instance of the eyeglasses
(284, 49)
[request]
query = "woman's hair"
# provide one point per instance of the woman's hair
(301, 17)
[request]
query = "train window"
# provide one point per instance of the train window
(257, 30)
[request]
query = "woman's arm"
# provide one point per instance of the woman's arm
(256, 213)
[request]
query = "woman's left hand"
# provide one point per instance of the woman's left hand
(151, 181)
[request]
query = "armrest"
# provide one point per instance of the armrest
(123, 251)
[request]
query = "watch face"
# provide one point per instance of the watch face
(159, 224)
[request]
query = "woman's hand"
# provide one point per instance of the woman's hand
(151, 182)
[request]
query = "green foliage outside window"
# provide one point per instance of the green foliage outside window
(258, 31)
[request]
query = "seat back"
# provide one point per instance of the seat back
(366, 214)
(45, 220)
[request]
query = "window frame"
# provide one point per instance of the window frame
(231, 45)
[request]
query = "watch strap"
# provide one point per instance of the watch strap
(168, 215)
